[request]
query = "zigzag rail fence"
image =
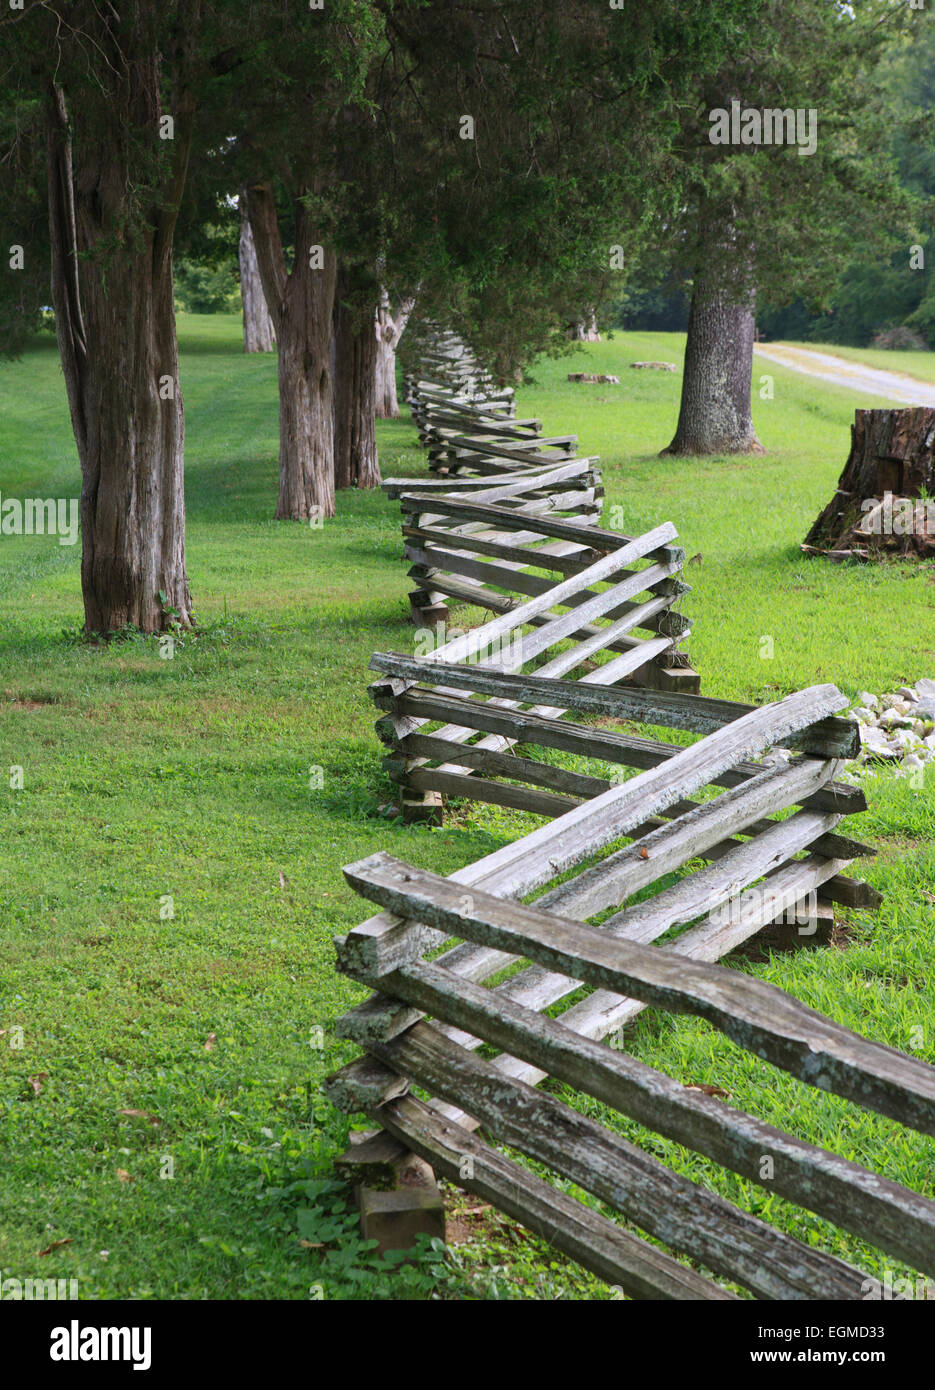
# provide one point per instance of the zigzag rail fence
(636, 887)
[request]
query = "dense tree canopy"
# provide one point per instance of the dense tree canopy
(512, 164)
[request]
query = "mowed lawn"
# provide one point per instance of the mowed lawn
(170, 871)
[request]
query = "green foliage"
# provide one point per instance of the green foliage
(651, 309)
(876, 292)
(769, 217)
(575, 109)
(23, 218)
(868, 299)
(206, 289)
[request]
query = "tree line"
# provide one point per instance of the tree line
(505, 164)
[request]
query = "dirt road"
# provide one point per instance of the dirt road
(870, 381)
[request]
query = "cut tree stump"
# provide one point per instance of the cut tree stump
(882, 503)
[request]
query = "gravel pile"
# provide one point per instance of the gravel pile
(898, 729)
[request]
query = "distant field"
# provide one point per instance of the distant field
(182, 1035)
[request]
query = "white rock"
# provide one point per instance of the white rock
(895, 727)
(875, 743)
(893, 718)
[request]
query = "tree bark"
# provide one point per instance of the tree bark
(389, 329)
(113, 296)
(356, 462)
(301, 302)
(715, 415)
(881, 504)
(585, 330)
(258, 334)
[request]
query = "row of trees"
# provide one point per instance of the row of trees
(499, 158)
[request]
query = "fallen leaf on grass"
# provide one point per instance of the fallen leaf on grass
(38, 1081)
(141, 1115)
(210, 1041)
(56, 1245)
(705, 1089)
(124, 1176)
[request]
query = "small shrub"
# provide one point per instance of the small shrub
(901, 339)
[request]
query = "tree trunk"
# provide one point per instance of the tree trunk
(258, 335)
(113, 296)
(389, 330)
(355, 442)
(715, 415)
(301, 304)
(881, 504)
(585, 330)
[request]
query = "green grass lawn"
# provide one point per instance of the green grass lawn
(170, 873)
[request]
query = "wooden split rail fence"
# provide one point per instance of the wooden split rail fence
(722, 820)
(709, 813)
(508, 525)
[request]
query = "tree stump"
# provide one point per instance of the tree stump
(885, 499)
